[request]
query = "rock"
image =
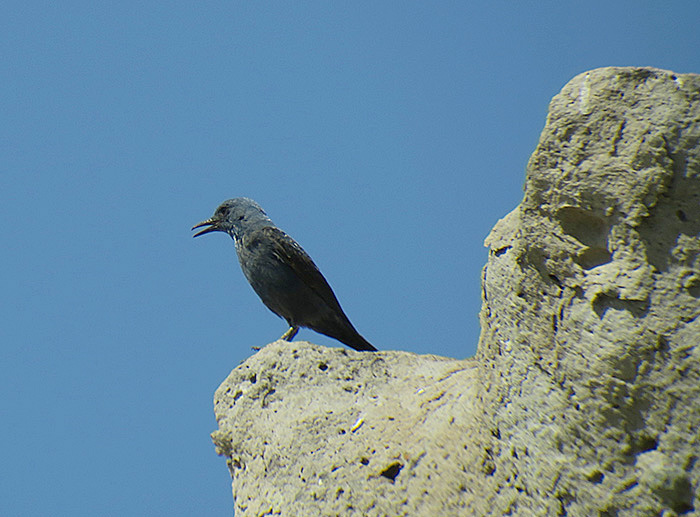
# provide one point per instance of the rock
(309, 430)
(584, 396)
(588, 352)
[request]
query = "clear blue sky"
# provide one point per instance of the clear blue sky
(386, 137)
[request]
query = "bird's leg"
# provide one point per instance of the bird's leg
(289, 335)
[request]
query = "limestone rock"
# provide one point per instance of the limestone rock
(309, 430)
(589, 355)
(584, 396)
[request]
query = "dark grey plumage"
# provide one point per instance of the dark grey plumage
(282, 273)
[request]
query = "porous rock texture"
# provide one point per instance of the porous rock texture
(584, 396)
(310, 430)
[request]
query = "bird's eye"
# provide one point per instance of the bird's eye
(240, 218)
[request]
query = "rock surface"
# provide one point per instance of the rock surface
(310, 430)
(584, 396)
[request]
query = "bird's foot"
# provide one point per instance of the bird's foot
(289, 335)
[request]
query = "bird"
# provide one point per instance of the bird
(282, 273)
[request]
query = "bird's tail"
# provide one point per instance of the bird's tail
(354, 340)
(343, 331)
(360, 344)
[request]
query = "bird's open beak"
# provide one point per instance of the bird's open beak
(210, 223)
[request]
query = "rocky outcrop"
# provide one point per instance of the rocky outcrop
(584, 396)
(309, 430)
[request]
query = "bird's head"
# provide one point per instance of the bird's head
(235, 216)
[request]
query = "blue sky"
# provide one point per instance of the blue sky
(387, 138)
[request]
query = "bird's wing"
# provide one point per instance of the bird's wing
(289, 252)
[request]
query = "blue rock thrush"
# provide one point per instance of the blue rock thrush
(282, 273)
